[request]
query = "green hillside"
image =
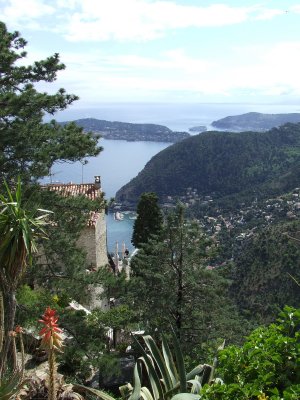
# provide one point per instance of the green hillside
(267, 266)
(222, 164)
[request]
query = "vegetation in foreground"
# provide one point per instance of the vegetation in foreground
(173, 263)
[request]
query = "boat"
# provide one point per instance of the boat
(118, 216)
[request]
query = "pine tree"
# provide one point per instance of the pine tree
(28, 146)
(171, 284)
(149, 219)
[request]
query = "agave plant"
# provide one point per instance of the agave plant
(19, 229)
(166, 374)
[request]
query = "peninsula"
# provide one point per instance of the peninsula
(254, 121)
(131, 132)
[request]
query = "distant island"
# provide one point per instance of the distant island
(129, 131)
(254, 121)
(199, 128)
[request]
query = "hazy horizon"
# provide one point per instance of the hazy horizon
(165, 51)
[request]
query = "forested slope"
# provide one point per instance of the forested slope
(267, 270)
(223, 164)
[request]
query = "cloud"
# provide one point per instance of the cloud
(142, 20)
(113, 71)
(96, 76)
(126, 20)
(25, 13)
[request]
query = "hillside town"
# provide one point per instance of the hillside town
(242, 223)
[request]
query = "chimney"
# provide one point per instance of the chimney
(97, 182)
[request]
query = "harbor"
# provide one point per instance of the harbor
(119, 230)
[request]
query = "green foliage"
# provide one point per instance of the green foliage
(149, 219)
(117, 317)
(12, 376)
(85, 346)
(19, 230)
(170, 283)
(29, 147)
(268, 363)
(165, 373)
(61, 265)
(32, 303)
(11, 385)
(262, 282)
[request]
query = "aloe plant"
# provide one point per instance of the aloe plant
(51, 342)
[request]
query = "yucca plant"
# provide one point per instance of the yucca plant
(19, 229)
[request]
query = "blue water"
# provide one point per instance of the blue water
(175, 116)
(117, 164)
(119, 232)
(121, 161)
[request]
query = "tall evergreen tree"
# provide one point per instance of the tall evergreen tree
(28, 146)
(149, 219)
(170, 283)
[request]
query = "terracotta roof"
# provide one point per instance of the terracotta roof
(73, 189)
(90, 190)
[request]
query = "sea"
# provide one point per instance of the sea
(120, 161)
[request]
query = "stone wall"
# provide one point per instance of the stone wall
(93, 241)
(101, 240)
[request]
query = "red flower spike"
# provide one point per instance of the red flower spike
(49, 333)
(18, 329)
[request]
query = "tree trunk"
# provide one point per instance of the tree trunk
(180, 279)
(9, 302)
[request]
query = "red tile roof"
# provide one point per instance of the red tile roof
(90, 190)
(73, 189)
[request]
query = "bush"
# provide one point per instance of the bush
(267, 366)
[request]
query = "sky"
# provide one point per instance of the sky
(165, 51)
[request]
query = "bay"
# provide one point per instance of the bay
(117, 164)
(176, 116)
(121, 161)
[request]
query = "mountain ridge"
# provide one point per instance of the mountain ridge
(224, 164)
